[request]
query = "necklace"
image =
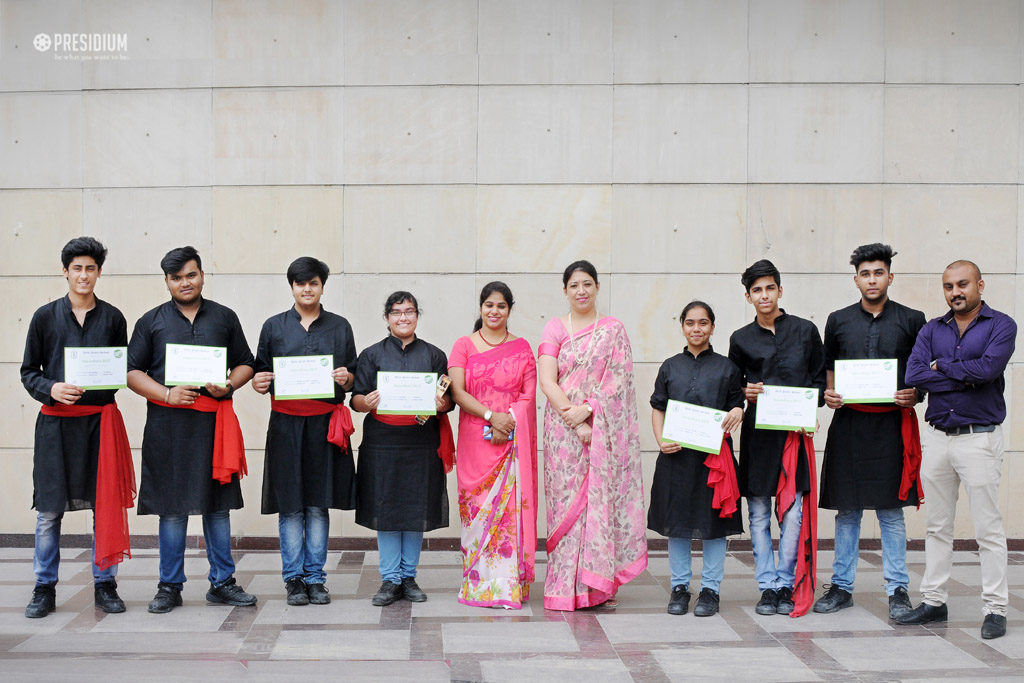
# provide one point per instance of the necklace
(505, 339)
(572, 342)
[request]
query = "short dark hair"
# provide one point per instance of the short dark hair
(83, 246)
(305, 268)
(872, 252)
(965, 262)
(397, 298)
(696, 304)
(758, 270)
(491, 288)
(586, 266)
(176, 259)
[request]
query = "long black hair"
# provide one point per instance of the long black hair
(491, 288)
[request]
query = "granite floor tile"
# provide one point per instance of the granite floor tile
(272, 585)
(970, 574)
(22, 571)
(513, 637)
(196, 568)
(352, 671)
(665, 628)
(555, 669)
(439, 579)
(337, 612)
(737, 665)
(95, 670)
(271, 561)
(1011, 645)
(17, 596)
(16, 554)
(180, 620)
(370, 644)
(851, 619)
(448, 605)
(17, 622)
(193, 644)
(897, 654)
(970, 607)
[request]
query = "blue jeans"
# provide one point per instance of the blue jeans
(46, 558)
(399, 554)
(216, 531)
(680, 562)
(766, 571)
(304, 544)
(894, 548)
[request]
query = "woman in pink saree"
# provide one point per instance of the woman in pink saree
(494, 381)
(592, 481)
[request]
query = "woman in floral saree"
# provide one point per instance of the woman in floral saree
(494, 381)
(592, 481)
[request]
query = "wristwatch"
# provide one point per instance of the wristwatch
(589, 408)
(487, 415)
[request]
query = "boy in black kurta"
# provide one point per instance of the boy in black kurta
(864, 467)
(308, 466)
(178, 453)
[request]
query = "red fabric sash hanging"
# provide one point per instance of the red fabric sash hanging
(911, 446)
(722, 480)
(785, 495)
(446, 451)
(115, 481)
(228, 446)
(340, 427)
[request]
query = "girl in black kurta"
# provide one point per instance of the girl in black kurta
(681, 499)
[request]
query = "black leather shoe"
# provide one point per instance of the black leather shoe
(707, 603)
(899, 603)
(411, 591)
(924, 614)
(387, 593)
(318, 594)
(230, 593)
(786, 604)
(167, 598)
(769, 602)
(44, 601)
(679, 602)
(994, 626)
(107, 599)
(835, 599)
(296, 590)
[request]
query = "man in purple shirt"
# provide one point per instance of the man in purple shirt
(959, 359)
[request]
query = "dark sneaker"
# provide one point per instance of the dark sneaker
(679, 602)
(107, 598)
(230, 593)
(296, 589)
(994, 626)
(388, 593)
(411, 591)
(167, 598)
(44, 601)
(899, 603)
(836, 598)
(786, 604)
(769, 602)
(318, 594)
(707, 603)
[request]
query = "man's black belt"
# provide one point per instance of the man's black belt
(967, 429)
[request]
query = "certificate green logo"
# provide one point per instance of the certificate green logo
(118, 353)
(323, 362)
(809, 393)
(217, 353)
(887, 365)
(428, 379)
(718, 417)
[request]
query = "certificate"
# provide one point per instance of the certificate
(96, 367)
(407, 393)
(195, 365)
(693, 426)
(303, 377)
(787, 408)
(871, 380)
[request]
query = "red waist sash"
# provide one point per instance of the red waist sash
(115, 480)
(785, 495)
(340, 427)
(228, 447)
(446, 451)
(911, 446)
(722, 480)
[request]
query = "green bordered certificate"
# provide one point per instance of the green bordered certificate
(693, 426)
(870, 380)
(96, 367)
(407, 393)
(303, 377)
(787, 408)
(195, 365)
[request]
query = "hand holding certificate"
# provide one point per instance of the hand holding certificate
(787, 408)
(870, 380)
(407, 393)
(192, 365)
(693, 426)
(96, 367)
(298, 377)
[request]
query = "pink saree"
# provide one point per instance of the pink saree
(594, 494)
(498, 484)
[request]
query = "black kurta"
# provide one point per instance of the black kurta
(177, 445)
(402, 484)
(792, 356)
(66, 448)
(302, 469)
(680, 496)
(864, 453)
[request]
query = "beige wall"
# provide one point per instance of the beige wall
(433, 146)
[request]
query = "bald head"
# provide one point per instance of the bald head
(962, 285)
(964, 263)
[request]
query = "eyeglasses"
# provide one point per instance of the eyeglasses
(398, 315)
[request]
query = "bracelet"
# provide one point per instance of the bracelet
(167, 396)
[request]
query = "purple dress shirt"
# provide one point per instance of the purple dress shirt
(967, 386)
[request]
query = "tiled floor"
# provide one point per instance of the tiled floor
(440, 640)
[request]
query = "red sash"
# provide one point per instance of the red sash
(115, 481)
(911, 446)
(722, 479)
(446, 451)
(807, 550)
(340, 427)
(228, 447)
